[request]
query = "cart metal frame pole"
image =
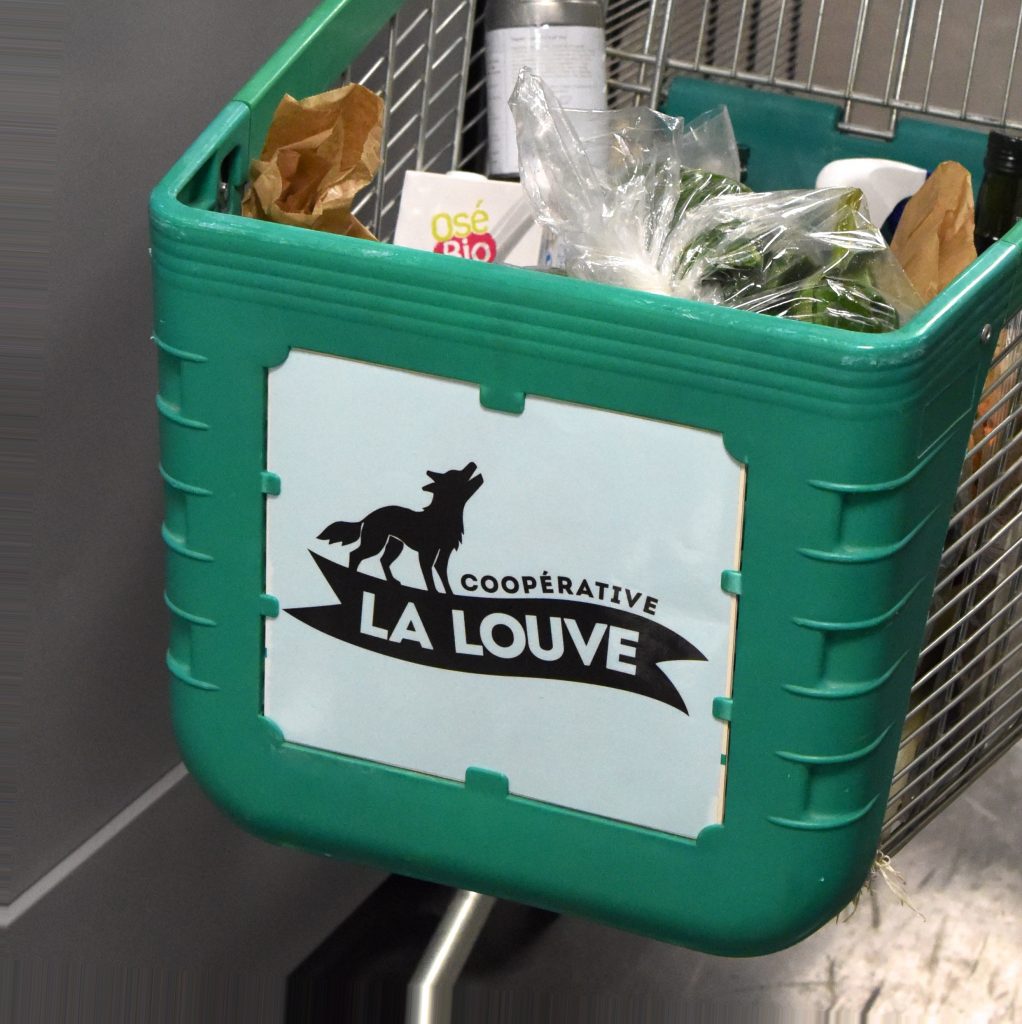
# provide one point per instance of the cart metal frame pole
(431, 990)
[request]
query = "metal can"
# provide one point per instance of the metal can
(562, 41)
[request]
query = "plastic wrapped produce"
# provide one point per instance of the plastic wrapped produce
(809, 256)
(641, 200)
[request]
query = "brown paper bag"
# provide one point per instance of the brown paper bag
(934, 240)
(934, 243)
(319, 154)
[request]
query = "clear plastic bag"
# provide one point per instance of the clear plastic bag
(609, 183)
(639, 199)
(804, 255)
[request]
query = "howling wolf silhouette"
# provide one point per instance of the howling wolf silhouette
(434, 532)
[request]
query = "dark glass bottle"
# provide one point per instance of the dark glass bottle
(743, 163)
(999, 205)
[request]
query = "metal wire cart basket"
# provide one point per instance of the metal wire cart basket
(805, 81)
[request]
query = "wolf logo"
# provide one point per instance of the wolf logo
(434, 532)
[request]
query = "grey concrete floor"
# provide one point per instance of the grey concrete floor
(957, 956)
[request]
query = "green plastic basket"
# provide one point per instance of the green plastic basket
(844, 450)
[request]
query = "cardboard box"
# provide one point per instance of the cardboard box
(457, 214)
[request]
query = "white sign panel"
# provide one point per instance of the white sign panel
(535, 594)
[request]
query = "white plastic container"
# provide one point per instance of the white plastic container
(884, 183)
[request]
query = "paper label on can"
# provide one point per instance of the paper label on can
(569, 58)
(535, 594)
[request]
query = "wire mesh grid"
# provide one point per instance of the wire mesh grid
(926, 56)
(429, 66)
(934, 57)
(966, 705)
(957, 60)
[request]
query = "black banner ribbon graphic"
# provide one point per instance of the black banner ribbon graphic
(545, 638)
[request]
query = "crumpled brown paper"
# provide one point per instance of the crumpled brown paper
(934, 240)
(319, 154)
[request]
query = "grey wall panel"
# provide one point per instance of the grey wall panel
(183, 917)
(137, 82)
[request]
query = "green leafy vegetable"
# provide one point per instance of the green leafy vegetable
(805, 256)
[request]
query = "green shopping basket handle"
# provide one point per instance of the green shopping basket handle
(314, 56)
(1014, 239)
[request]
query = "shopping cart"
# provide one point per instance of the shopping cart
(879, 60)
(907, 79)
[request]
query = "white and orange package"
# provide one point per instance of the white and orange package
(462, 214)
